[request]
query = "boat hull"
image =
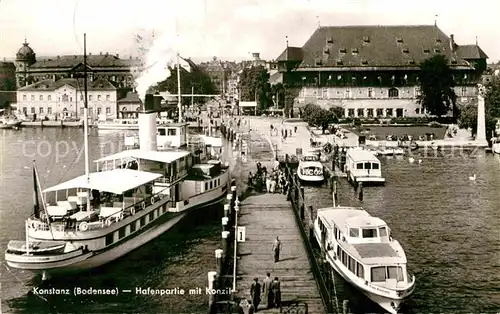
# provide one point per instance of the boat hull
(118, 127)
(312, 180)
(89, 260)
(10, 125)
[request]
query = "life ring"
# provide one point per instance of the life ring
(108, 222)
(119, 217)
(143, 205)
(83, 226)
(152, 200)
(132, 211)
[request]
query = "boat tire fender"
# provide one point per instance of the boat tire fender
(152, 200)
(108, 222)
(83, 226)
(143, 205)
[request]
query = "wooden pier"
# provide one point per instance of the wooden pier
(264, 217)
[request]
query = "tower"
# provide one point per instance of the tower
(25, 57)
(481, 123)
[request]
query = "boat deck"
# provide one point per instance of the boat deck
(266, 216)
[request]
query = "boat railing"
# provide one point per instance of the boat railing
(122, 213)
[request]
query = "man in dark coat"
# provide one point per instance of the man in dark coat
(267, 291)
(276, 288)
(255, 290)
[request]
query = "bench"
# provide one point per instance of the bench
(80, 201)
(57, 211)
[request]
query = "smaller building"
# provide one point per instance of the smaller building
(129, 106)
(64, 98)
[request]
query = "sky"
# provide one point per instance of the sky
(228, 29)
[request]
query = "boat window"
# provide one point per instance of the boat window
(335, 232)
(360, 271)
(378, 274)
(354, 232)
(121, 233)
(132, 226)
(161, 132)
(359, 166)
(368, 165)
(109, 239)
(211, 185)
(375, 166)
(395, 272)
(172, 132)
(151, 216)
(369, 233)
(206, 186)
(339, 250)
(143, 221)
(383, 232)
(344, 258)
(352, 265)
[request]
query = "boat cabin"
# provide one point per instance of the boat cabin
(363, 166)
(171, 135)
(311, 156)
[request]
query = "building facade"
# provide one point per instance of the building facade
(129, 106)
(218, 73)
(65, 98)
(373, 71)
(29, 69)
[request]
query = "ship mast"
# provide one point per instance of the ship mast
(86, 117)
(179, 96)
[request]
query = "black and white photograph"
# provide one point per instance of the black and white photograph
(249, 156)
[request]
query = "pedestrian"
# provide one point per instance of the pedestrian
(295, 129)
(274, 181)
(267, 291)
(268, 182)
(250, 180)
(276, 287)
(276, 249)
(255, 291)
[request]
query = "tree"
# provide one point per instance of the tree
(468, 113)
(254, 86)
(196, 80)
(314, 115)
(8, 84)
(436, 86)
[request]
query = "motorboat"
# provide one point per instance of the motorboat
(310, 169)
(362, 166)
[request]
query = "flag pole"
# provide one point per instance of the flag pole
(179, 103)
(27, 238)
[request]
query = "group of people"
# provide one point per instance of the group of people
(274, 181)
(269, 292)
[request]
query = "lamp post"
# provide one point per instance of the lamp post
(256, 101)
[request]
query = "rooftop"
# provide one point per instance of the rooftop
(50, 85)
(159, 156)
(468, 52)
(98, 61)
(131, 98)
(362, 155)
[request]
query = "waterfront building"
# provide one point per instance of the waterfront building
(30, 69)
(129, 106)
(372, 71)
(65, 98)
(218, 73)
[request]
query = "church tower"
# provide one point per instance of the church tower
(25, 57)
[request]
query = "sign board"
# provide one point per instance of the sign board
(241, 234)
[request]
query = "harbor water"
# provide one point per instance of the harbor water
(447, 224)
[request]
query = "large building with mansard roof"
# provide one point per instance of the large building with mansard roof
(31, 69)
(373, 70)
(65, 98)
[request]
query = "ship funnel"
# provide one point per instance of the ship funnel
(147, 125)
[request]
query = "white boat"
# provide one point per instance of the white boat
(363, 166)
(135, 196)
(360, 248)
(390, 151)
(7, 122)
(310, 169)
(495, 145)
(126, 124)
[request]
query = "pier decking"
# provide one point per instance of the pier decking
(266, 216)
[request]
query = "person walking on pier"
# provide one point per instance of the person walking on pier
(255, 290)
(267, 291)
(276, 249)
(295, 129)
(276, 288)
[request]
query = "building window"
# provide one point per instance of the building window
(108, 97)
(399, 112)
(65, 98)
(99, 110)
(347, 93)
(32, 97)
(25, 110)
(369, 113)
(350, 112)
(91, 111)
(33, 110)
(389, 112)
(40, 98)
(417, 91)
(90, 97)
(393, 93)
(98, 97)
(49, 98)
(40, 110)
(464, 91)
(380, 112)
(370, 92)
(361, 112)
(24, 97)
(417, 111)
(49, 110)
(108, 110)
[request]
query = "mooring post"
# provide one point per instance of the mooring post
(211, 285)
(225, 221)
(360, 191)
(218, 260)
(334, 194)
(302, 204)
(345, 307)
(227, 207)
(225, 242)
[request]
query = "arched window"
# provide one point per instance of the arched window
(65, 97)
(393, 93)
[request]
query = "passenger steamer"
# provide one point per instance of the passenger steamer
(135, 196)
(360, 248)
(310, 169)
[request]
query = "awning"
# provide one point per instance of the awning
(159, 156)
(114, 181)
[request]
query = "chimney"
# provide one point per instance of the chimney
(147, 125)
(256, 56)
(452, 43)
(157, 101)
